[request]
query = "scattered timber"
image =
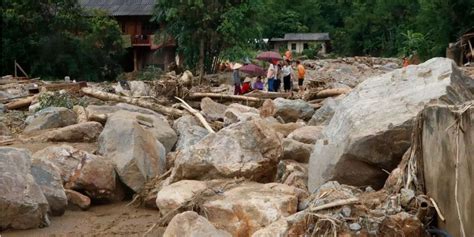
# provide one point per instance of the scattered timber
(134, 101)
(21, 103)
(199, 95)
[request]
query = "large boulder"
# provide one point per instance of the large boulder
(82, 132)
(212, 110)
(52, 117)
(79, 170)
(371, 127)
(237, 113)
(292, 110)
(294, 225)
(307, 134)
(323, 115)
(293, 174)
(177, 194)
(22, 203)
(189, 131)
(190, 224)
(297, 151)
(154, 122)
(286, 128)
(136, 153)
(247, 149)
(250, 206)
(48, 177)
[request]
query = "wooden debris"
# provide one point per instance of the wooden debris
(134, 101)
(223, 96)
(268, 95)
(21, 103)
(65, 86)
(197, 114)
(335, 204)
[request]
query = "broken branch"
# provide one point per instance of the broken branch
(335, 204)
(197, 114)
(223, 96)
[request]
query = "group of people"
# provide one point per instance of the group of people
(277, 72)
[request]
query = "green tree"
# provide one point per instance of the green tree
(54, 38)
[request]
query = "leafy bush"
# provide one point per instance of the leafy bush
(150, 73)
(57, 99)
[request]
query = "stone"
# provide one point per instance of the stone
(81, 113)
(98, 180)
(22, 203)
(237, 113)
(444, 148)
(51, 117)
(355, 226)
(48, 177)
(82, 132)
(139, 88)
(297, 151)
(286, 128)
(268, 109)
(294, 225)
(2, 108)
(80, 170)
(293, 174)
(323, 115)
(371, 128)
(243, 210)
(191, 224)
(133, 148)
(175, 195)
(346, 211)
(213, 110)
(189, 131)
(246, 149)
(77, 200)
(307, 134)
(101, 112)
(292, 110)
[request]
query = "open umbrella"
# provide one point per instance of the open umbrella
(269, 56)
(253, 70)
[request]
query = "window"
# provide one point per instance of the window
(305, 46)
(293, 46)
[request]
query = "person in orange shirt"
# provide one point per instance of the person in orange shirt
(301, 73)
(288, 55)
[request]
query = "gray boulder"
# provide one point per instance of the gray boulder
(82, 132)
(297, 151)
(190, 224)
(307, 134)
(52, 117)
(247, 149)
(212, 110)
(128, 139)
(189, 131)
(292, 110)
(371, 127)
(237, 113)
(323, 115)
(22, 203)
(48, 177)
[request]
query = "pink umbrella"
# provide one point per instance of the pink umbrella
(253, 70)
(269, 56)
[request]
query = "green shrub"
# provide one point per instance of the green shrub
(150, 73)
(57, 99)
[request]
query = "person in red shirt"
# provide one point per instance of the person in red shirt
(246, 87)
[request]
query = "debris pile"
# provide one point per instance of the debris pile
(264, 164)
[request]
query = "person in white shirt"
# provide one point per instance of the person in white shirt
(287, 72)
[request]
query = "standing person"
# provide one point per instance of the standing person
(236, 78)
(271, 74)
(301, 73)
(287, 72)
(246, 87)
(288, 55)
(279, 78)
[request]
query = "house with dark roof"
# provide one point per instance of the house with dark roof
(297, 42)
(140, 35)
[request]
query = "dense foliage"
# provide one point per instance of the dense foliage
(357, 27)
(55, 38)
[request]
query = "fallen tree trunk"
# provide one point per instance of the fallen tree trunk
(197, 114)
(268, 95)
(332, 92)
(134, 101)
(19, 104)
(199, 95)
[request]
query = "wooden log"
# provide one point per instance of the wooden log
(336, 203)
(65, 86)
(197, 114)
(134, 101)
(332, 92)
(223, 96)
(21, 103)
(268, 95)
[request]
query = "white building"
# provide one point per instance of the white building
(297, 42)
